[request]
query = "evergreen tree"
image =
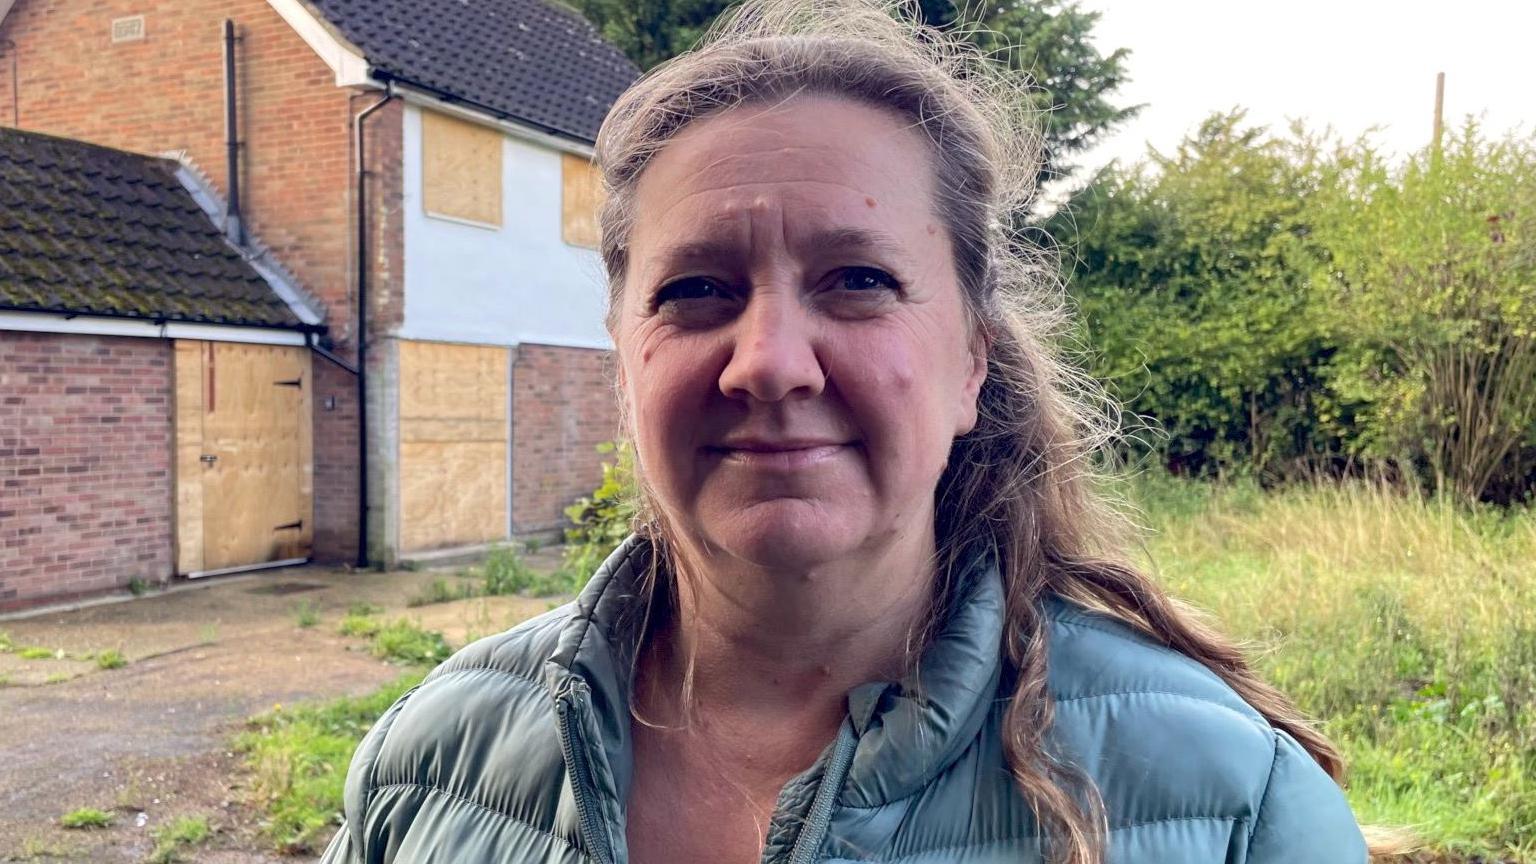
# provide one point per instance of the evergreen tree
(1049, 40)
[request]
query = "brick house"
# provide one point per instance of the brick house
(469, 203)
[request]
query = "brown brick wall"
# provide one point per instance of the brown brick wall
(85, 464)
(167, 93)
(562, 408)
(335, 445)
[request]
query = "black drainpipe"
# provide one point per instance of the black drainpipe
(232, 227)
(362, 324)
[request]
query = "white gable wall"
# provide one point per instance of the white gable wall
(499, 286)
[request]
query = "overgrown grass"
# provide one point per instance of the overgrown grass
(176, 837)
(306, 614)
(111, 658)
(1408, 626)
(502, 573)
(298, 760)
(86, 817)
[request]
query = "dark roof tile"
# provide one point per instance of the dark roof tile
(92, 230)
(526, 60)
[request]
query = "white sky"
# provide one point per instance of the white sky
(1350, 64)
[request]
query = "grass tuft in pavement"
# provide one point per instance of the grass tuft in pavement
(86, 817)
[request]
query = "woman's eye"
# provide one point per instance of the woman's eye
(865, 279)
(691, 288)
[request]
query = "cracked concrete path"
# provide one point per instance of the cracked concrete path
(153, 737)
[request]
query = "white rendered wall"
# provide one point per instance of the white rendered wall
(499, 286)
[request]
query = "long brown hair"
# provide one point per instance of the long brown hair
(1024, 480)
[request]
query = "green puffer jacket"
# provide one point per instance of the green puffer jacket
(518, 750)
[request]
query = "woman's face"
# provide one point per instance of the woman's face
(792, 342)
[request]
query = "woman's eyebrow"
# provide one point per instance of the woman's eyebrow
(863, 239)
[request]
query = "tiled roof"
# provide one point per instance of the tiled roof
(91, 230)
(526, 60)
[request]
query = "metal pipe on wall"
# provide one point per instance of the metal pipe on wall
(232, 227)
(362, 322)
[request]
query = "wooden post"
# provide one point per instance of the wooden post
(1439, 111)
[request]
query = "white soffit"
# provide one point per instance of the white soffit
(346, 61)
(60, 322)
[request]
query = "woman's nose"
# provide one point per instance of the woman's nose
(773, 354)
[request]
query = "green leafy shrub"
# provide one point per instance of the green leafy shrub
(1192, 277)
(600, 521)
(1431, 282)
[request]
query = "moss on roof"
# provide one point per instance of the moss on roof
(96, 231)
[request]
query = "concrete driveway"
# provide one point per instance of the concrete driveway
(150, 741)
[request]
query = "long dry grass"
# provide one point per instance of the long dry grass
(1406, 625)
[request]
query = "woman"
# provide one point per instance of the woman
(872, 612)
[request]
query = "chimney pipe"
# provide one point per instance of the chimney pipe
(232, 227)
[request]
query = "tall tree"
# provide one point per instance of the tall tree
(1049, 40)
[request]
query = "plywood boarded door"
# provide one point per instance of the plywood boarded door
(453, 445)
(243, 455)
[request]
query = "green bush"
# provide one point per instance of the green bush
(600, 521)
(1287, 306)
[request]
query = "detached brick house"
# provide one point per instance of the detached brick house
(432, 157)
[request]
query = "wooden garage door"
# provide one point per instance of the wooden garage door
(243, 455)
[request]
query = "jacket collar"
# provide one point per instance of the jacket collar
(908, 731)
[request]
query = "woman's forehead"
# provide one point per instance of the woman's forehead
(826, 166)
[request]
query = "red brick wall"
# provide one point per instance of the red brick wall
(562, 408)
(335, 444)
(167, 93)
(85, 464)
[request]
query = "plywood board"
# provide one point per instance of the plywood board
(255, 414)
(453, 444)
(189, 447)
(581, 197)
(460, 169)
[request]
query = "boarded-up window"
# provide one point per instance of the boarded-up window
(460, 169)
(582, 195)
(453, 445)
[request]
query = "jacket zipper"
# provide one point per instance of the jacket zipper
(819, 819)
(568, 705)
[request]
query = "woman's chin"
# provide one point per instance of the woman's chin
(787, 534)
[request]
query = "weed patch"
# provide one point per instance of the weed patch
(298, 761)
(403, 642)
(110, 659)
(307, 614)
(86, 817)
(36, 653)
(176, 837)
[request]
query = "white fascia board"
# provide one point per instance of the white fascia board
(5, 9)
(348, 63)
(424, 99)
(87, 325)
